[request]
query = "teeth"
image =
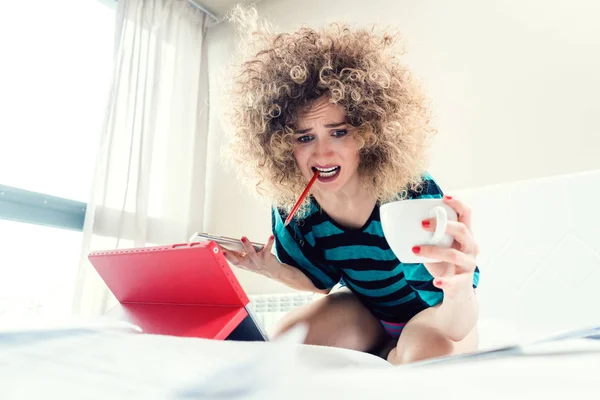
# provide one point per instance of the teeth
(327, 172)
(327, 169)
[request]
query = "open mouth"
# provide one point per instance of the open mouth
(327, 172)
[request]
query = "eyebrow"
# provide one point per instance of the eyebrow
(334, 125)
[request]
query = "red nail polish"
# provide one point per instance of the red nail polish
(224, 254)
(272, 237)
(426, 223)
(244, 239)
(438, 282)
(416, 249)
(448, 197)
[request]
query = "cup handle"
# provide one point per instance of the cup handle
(441, 222)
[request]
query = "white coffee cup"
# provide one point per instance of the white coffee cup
(402, 228)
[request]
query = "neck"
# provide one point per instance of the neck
(349, 207)
(352, 193)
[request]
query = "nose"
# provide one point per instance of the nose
(323, 149)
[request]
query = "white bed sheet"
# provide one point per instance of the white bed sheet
(89, 364)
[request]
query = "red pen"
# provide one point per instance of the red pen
(301, 199)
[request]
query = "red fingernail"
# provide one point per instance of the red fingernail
(224, 254)
(272, 237)
(438, 282)
(244, 239)
(416, 249)
(426, 223)
(448, 197)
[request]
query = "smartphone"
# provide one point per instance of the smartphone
(225, 242)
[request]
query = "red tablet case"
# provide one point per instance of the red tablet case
(179, 290)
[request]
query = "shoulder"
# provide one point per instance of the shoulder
(303, 220)
(428, 188)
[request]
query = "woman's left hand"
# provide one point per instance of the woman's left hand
(454, 274)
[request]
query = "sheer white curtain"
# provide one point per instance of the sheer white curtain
(149, 182)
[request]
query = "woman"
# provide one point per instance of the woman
(336, 101)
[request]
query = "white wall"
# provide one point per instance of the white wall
(230, 209)
(514, 85)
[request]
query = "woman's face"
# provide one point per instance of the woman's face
(323, 142)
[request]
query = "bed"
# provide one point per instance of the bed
(540, 267)
(91, 363)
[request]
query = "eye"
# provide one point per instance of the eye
(340, 133)
(305, 139)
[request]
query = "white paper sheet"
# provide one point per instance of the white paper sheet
(87, 363)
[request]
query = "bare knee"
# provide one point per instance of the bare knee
(421, 343)
(337, 320)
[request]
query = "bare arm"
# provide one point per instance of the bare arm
(458, 313)
(266, 264)
(294, 278)
(454, 274)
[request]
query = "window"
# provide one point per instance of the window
(55, 79)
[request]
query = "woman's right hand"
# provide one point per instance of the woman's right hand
(262, 262)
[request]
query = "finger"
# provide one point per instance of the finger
(448, 255)
(250, 251)
(227, 251)
(439, 269)
(457, 286)
(458, 230)
(232, 256)
(463, 211)
(269, 245)
(462, 235)
(447, 282)
(442, 283)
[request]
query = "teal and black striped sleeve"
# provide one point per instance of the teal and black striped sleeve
(417, 275)
(292, 248)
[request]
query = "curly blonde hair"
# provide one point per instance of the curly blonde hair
(359, 70)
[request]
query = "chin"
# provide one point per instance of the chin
(330, 187)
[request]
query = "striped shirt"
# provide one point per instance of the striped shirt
(360, 259)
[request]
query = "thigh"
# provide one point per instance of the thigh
(421, 339)
(337, 320)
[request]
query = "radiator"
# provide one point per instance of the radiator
(270, 308)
